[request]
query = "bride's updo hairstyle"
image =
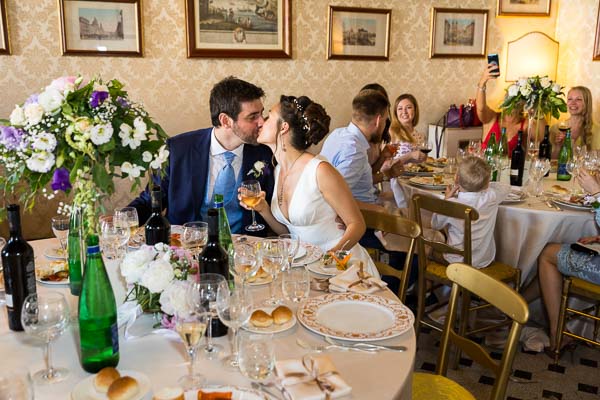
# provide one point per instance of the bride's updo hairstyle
(308, 121)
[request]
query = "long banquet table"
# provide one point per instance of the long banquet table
(382, 375)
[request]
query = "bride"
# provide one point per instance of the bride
(309, 192)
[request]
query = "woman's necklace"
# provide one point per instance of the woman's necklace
(280, 196)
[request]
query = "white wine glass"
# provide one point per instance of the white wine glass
(46, 317)
(246, 261)
(573, 169)
(113, 237)
(234, 306)
(204, 294)
(194, 237)
(292, 244)
(295, 284)
(250, 194)
(127, 217)
(191, 326)
(60, 228)
(272, 255)
(257, 356)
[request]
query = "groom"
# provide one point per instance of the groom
(215, 160)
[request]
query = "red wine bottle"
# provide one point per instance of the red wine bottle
(19, 269)
(517, 162)
(158, 228)
(546, 147)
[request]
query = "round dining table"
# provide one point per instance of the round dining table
(162, 358)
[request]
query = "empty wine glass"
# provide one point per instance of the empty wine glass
(191, 325)
(245, 261)
(272, 254)
(573, 167)
(113, 237)
(295, 284)
(250, 194)
(127, 217)
(234, 306)
(257, 356)
(60, 228)
(46, 316)
(292, 244)
(195, 236)
(204, 294)
(537, 170)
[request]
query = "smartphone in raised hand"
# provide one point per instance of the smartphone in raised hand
(493, 59)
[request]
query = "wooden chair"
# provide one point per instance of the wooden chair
(464, 277)
(436, 272)
(577, 287)
(390, 223)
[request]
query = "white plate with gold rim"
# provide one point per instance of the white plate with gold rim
(85, 389)
(322, 269)
(427, 182)
(275, 328)
(55, 253)
(355, 317)
(313, 253)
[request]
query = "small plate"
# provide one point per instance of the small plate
(514, 197)
(313, 253)
(64, 282)
(321, 269)
(572, 206)
(237, 393)
(85, 390)
(427, 183)
(261, 281)
(273, 328)
(55, 253)
(42, 271)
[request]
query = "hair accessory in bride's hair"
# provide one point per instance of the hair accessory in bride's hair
(305, 126)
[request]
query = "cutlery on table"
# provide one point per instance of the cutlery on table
(320, 348)
(267, 390)
(366, 346)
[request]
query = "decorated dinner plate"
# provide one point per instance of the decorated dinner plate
(426, 182)
(301, 252)
(570, 205)
(55, 253)
(313, 253)
(355, 317)
(85, 390)
(273, 328)
(322, 269)
(237, 393)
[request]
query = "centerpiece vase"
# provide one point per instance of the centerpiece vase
(535, 132)
(76, 248)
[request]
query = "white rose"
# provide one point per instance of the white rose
(556, 88)
(526, 90)
(173, 299)
(40, 161)
(44, 142)
(135, 263)
(146, 156)
(513, 90)
(34, 113)
(17, 117)
(157, 276)
(522, 82)
(50, 99)
(101, 133)
(545, 82)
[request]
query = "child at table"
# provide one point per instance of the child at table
(472, 187)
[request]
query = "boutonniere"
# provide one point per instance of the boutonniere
(258, 169)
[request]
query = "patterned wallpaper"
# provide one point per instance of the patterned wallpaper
(175, 89)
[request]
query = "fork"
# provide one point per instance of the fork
(321, 348)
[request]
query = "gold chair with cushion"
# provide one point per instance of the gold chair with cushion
(466, 278)
(390, 223)
(577, 287)
(436, 272)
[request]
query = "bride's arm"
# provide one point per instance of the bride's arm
(339, 197)
(263, 208)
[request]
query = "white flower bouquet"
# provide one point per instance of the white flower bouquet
(538, 95)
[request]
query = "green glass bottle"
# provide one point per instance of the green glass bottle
(502, 149)
(565, 154)
(75, 256)
(224, 229)
(98, 330)
(490, 152)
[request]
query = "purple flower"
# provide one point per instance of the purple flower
(122, 102)
(11, 137)
(168, 322)
(60, 180)
(33, 99)
(98, 98)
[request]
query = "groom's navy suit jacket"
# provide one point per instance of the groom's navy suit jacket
(184, 184)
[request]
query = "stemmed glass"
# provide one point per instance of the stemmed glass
(537, 170)
(295, 284)
(127, 217)
(46, 316)
(191, 325)
(195, 236)
(273, 254)
(60, 227)
(257, 356)
(292, 244)
(573, 166)
(424, 147)
(246, 261)
(250, 194)
(204, 294)
(474, 148)
(234, 306)
(113, 237)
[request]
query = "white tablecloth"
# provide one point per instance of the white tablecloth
(383, 375)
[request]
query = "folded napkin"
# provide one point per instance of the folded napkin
(127, 313)
(312, 378)
(351, 281)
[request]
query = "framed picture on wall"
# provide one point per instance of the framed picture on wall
(597, 41)
(458, 32)
(524, 7)
(242, 28)
(358, 33)
(4, 42)
(101, 28)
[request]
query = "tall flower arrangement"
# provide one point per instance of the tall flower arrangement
(537, 95)
(78, 134)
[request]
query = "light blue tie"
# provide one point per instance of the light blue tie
(225, 182)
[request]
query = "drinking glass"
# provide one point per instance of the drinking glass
(191, 327)
(250, 194)
(127, 217)
(460, 154)
(203, 294)
(60, 227)
(234, 306)
(257, 356)
(195, 236)
(424, 147)
(272, 254)
(15, 385)
(393, 148)
(533, 149)
(295, 284)
(474, 148)
(46, 316)
(573, 169)
(292, 244)
(113, 237)
(246, 261)
(537, 170)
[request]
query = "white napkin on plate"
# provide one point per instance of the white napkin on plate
(344, 282)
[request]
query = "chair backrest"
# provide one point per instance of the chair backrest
(450, 209)
(391, 223)
(500, 296)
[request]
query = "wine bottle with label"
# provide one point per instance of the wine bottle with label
(19, 269)
(517, 162)
(546, 147)
(158, 228)
(98, 329)
(565, 154)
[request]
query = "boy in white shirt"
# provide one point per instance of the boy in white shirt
(473, 188)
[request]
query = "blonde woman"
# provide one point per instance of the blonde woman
(405, 117)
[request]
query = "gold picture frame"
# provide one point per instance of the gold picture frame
(524, 8)
(356, 33)
(4, 37)
(101, 28)
(458, 32)
(596, 56)
(224, 29)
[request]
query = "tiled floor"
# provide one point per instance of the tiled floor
(577, 376)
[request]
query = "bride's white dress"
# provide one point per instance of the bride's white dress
(312, 218)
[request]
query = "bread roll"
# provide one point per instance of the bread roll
(104, 378)
(281, 315)
(261, 319)
(125, 388)
(169, 393)
(560, 190)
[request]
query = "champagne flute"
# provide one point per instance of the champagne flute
(295, 284)
(257, 356)
(191, 326)
(46, 317)
(272, 254)
(60, 228)
(292, 244)
(234, 306)
(246, 261)
(127, 217)
(195, 236)
(204, 294)
(250, 194)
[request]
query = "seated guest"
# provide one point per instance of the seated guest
(309, 193)
(378, 153)
(404, 119)
(583, 130)
(558, 259)
(214, 159)
(473, 189)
